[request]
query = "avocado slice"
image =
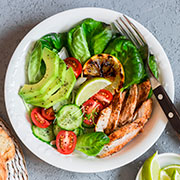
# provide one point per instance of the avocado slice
(63, 93)
(51, 60)
(54, 86)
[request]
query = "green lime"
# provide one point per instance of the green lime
(171, 169)
(176, 175)
(151, 168)
(164, 175)
(89, 88)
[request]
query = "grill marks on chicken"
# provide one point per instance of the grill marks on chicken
(125, 117)
(120, 137)
(143, 92)
(127, 111)
(103, 119)
(116, 109)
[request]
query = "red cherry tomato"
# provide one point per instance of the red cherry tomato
(90, 109)
(38, 119)
(75, 64)
(103, 96)
(48, 113)
(66, 141)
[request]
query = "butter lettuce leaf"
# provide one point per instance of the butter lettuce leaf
(88, 38)
(92, 143)
(129, 57)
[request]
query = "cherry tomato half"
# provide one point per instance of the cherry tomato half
(66, 141)
(48, 113)
(90, 109)
(75, 64)
(103, 96)
(38, 119)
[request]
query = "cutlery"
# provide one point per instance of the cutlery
(128, 29)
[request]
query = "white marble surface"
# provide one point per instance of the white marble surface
(161, 17)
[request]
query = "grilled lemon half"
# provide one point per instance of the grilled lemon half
(106, 66)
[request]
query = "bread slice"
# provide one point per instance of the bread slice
(7, 148)
(3, 169)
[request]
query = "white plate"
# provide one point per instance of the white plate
(15, 78)
(164, 159)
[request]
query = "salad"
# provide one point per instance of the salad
(87, 90)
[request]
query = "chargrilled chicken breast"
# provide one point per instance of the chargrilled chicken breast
(143, 92)
(103, 119)
(116, 109)
(145, 110)
(120, 137)
(126, 114)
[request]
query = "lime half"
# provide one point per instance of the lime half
(164, 175)
(89, 88)
(151, 169)
(171, 169)
(176, 175)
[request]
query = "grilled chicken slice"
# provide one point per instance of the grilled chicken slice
(120, 137)
(116, 108)
(145, 110)
(103, 119)
(143, 92)
(129, 107)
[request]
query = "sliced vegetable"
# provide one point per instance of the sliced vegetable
(66, 142)
(60, 104)
(106, 66)
(92, 143)
(51, 60)
(75, 64)
(89, 88)
(104, 97)
(56, 128)
(48, 113)
(90, 110)
(79, 131)
(130, 58)
(63, 93)
(38, 119)
(44, 134)
(34, 72)
(69, 117)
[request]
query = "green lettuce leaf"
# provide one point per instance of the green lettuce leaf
(53, 41)
(130, 58)
(88, 38)
(77, 44)
(154, 68)
(92, 143)
(34, 66)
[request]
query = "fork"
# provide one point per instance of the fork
(128, 29)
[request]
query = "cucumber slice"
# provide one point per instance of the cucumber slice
(79, 131)
(56, 129)
(44, 134)
(69, 117)
(60, 104)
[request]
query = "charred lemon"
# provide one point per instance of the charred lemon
(106, 66)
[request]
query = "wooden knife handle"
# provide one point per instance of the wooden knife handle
(168, 107)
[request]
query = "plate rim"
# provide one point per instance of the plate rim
(5, 94)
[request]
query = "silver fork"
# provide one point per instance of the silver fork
(128, 29)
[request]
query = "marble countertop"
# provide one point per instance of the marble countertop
(161, 17)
